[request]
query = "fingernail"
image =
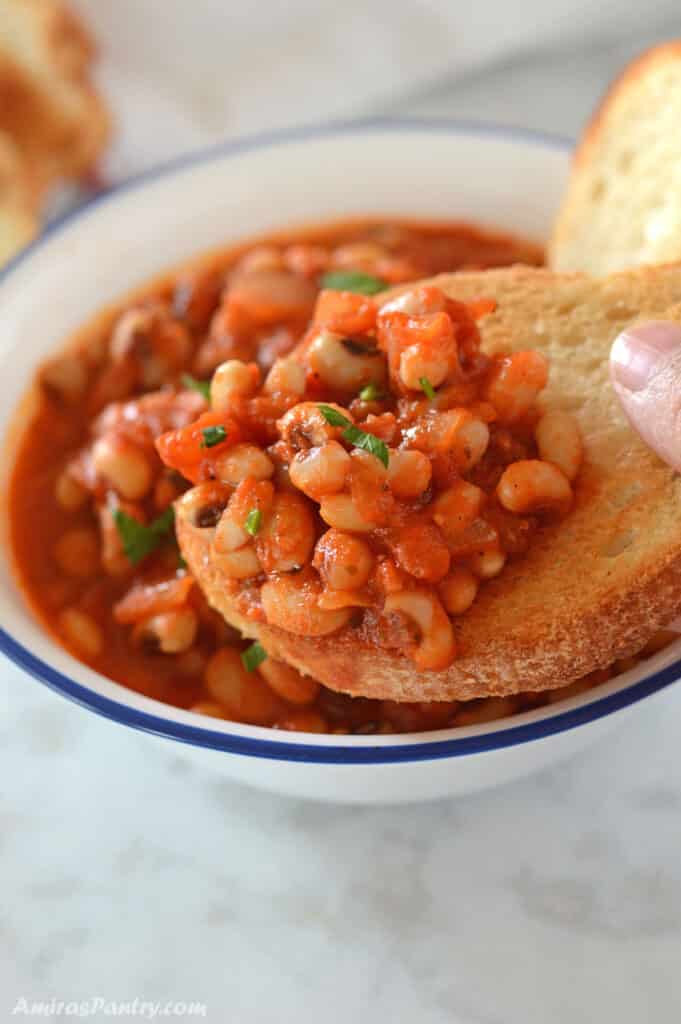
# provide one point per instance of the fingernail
(639, 352)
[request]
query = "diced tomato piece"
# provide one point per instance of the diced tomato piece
(251, 494)
(383, 426)
(484, 411)
(481, 307)
(513, 383)
(230, 321)
(395, 271)
(463, 317)
(370, 491)
(190, 451)
(145, 599)
(259, 415)
(345, 312)
(388, 578)
(478, 538)
(267, 297)
(399, 331)
(420, 550)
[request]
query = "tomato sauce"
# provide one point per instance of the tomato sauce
(76, 550)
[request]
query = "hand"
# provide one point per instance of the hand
(645, 369)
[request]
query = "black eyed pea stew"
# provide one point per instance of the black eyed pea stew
(92, 502)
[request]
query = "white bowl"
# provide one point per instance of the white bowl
(491, 176)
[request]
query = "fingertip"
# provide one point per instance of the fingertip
(645, 370)
(640, 351)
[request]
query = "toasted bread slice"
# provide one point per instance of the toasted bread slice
(592, 588)
(17, 217)
(47, 101)
(622, 207)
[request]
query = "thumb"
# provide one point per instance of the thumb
(645, 370)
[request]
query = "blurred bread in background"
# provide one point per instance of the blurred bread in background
(18, 219)
(622, 206)
(54, 125)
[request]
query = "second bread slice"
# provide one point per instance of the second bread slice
(622, 206)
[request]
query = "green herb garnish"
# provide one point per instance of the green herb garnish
(427, 387)
(213, 436)
(139, 540)
(371, 393)
(192, 384)
(368, 442)
(253, 521)
(353, 281)
(253, 656)
(359, 438)
(332, 416)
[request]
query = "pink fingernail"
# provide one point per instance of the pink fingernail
(639, 352)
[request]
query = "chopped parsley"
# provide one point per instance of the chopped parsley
(192, 384)
(427, 387)
(253, 656)
(359, 438)
(138, 539)
(332, 416)
(371, 393)
(253, 521)
(353, 281)
(368, 442)
(213, 436)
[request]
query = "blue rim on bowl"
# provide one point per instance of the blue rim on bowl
(355, 750)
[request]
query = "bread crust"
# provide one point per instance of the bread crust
(628, 78)
(573, 244)
(592, 588)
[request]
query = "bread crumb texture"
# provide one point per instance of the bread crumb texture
(622, 207)
(593, 588)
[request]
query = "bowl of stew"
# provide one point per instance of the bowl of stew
(113, 324)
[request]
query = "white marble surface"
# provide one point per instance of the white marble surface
(127, 873)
